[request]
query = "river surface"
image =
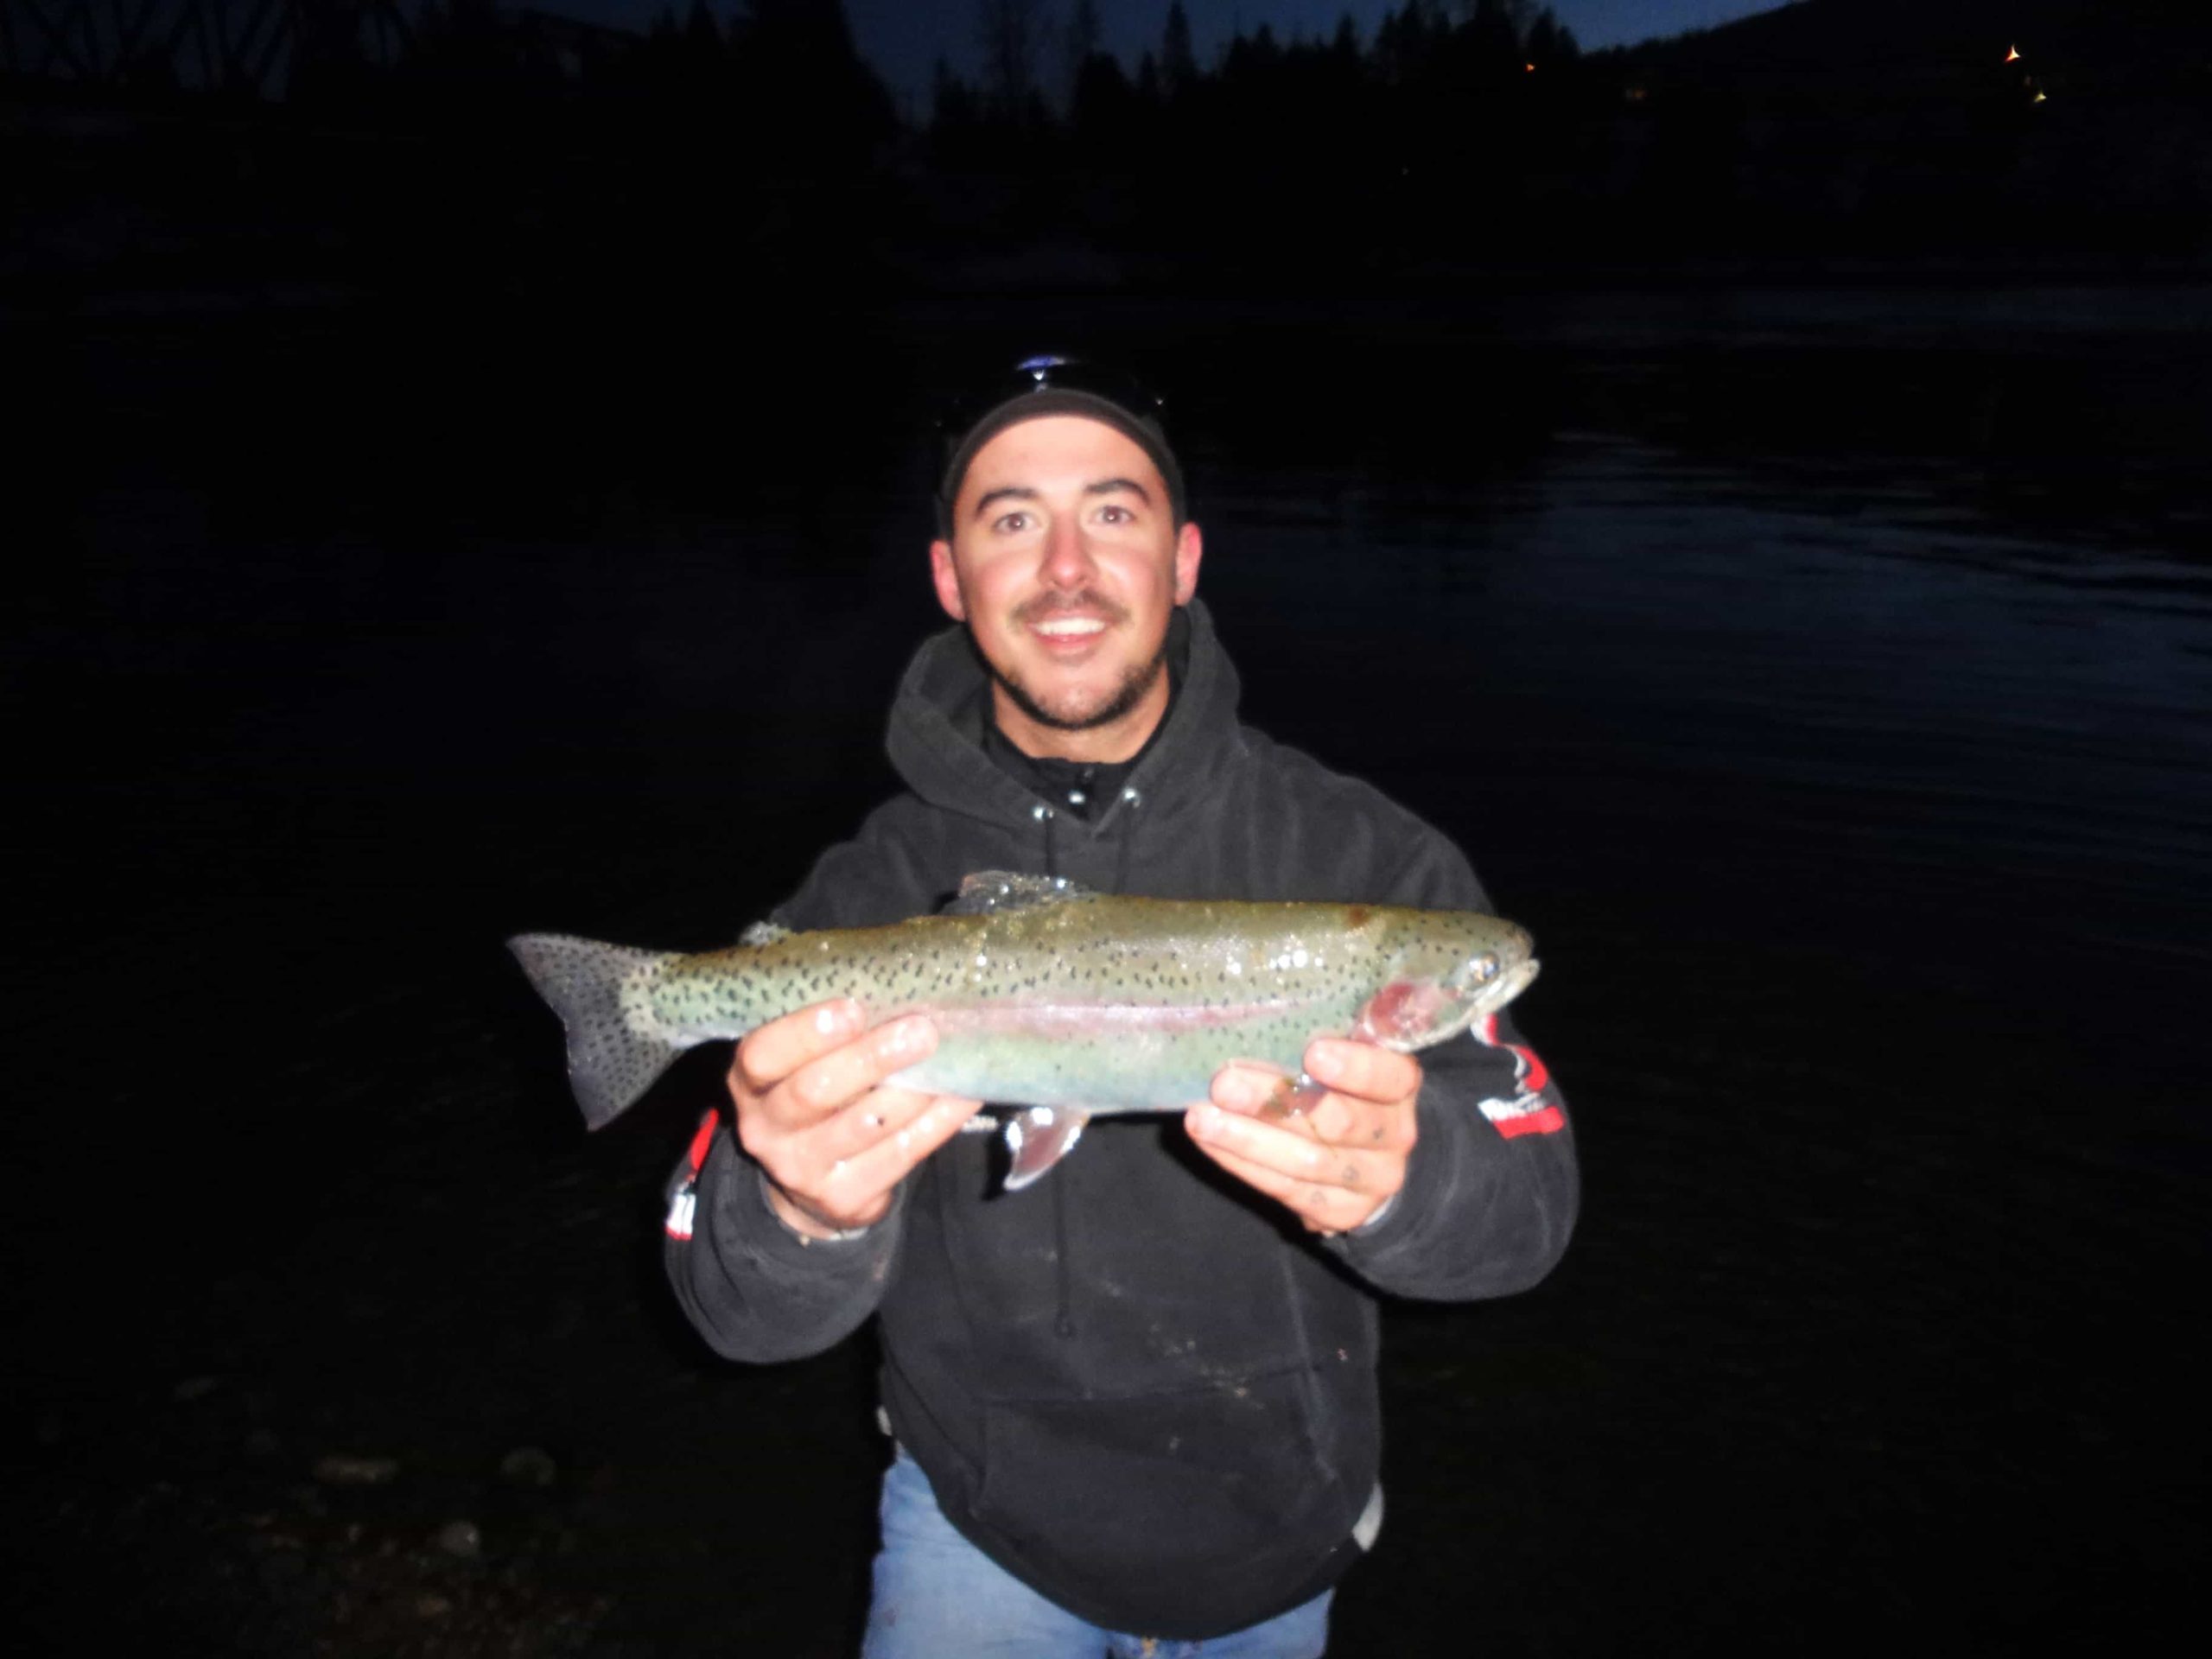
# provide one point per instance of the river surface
(1825, 675)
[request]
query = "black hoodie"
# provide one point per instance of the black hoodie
(1138, 1385)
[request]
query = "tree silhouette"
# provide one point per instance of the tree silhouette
(1011, 36)
(1178, 67)
(1079, 44)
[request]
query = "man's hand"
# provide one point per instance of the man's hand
(813, 1110)
(1335, 1157)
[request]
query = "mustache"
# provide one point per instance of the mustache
(1082, 602)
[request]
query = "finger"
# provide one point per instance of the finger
(879, 1115)
(771, 1053)
(854, 1184)
(1295, 1154)
(831, 1082)
(825, 1167)
(1243, 1086)
(1324, 1209)
(1344, 1121)
(1362, 1069)
(1325, 1116)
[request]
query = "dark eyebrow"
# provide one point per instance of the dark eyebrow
(1023, 493)
(1011, 493)
(1109, 485)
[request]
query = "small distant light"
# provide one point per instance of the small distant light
(1529, 69)
(2013, 55)
(2040, 97)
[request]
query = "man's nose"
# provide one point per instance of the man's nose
(1067, 558)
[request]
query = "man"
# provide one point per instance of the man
(1137, 1400)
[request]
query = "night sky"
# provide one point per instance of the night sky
(903, 38)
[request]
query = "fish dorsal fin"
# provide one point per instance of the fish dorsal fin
(987, 892)
(763, 933)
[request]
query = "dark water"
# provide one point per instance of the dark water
(1823, 675)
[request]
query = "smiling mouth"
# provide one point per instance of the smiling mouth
(1070, 628)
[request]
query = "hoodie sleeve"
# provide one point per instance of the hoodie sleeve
(755, 1289)
(1492, 1187)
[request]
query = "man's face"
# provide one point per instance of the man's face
(1067, 566)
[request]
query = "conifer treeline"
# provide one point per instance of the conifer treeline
(1039, 71)
(1459, 131)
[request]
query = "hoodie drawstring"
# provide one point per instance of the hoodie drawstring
(1045, 815)
(1130, 801)
(1064, 1321)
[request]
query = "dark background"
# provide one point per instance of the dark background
(1753, 499)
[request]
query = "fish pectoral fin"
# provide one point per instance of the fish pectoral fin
(994, 892)
(1292, 1097)
(1037, 1139)
(1403, 1016)
(1293, 1094)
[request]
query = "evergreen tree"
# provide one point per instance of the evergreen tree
(1147, 82)
(1078, 44)
(1179, 67)
(1012, 34)
(952, 102)
(1550, 40)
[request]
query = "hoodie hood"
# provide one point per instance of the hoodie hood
(936, 738)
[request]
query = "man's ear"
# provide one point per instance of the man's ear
(1190, 548)
(947, 579)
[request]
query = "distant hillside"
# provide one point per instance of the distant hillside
(2089, 42)
(1910, 123)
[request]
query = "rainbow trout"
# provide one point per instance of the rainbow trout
(1053, 1002)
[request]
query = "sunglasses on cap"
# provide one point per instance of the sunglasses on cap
(1056, 382)
(1049, 372)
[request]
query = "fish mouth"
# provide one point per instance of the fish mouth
(1475, 1010)
(1494, 996)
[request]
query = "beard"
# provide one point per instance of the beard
(1137, 681)
(1136, 684)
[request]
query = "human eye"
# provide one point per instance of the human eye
(1114, 513)
(1010, 524)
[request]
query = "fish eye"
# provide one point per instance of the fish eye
(1484, 969)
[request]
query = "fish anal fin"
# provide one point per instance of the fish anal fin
(1039, 1138)
(987, 892)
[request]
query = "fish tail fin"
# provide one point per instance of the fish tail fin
(612, 1057)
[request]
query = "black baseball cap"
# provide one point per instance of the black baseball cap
(1054, 385)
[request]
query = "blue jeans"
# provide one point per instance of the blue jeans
(938, 1597)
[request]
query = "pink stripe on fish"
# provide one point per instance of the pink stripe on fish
(1074, 1019)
